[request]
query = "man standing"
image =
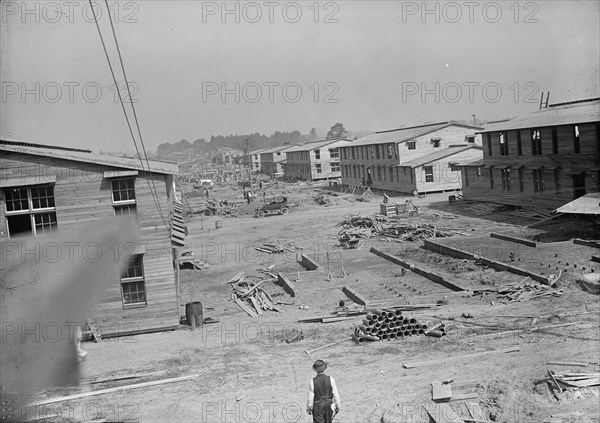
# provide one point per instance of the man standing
(323, 397)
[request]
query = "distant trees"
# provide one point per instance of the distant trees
(337, 131)
(313, 133)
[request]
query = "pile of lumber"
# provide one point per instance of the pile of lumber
(522, 291)
(251, 297)
(358, 227)
(574, 380)
(276, 248)
(387, 324)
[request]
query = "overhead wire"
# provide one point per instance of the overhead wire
(154, 197)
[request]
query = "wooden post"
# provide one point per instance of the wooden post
(177, 286)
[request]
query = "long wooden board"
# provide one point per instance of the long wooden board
(354, 296)
(117, 389)
(411, 365)
(244, 307)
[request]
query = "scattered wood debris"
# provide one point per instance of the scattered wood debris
(574, 380)
(521, 291)
(250, 296)
(356, 227)
(275, 248)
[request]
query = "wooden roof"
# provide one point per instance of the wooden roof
(85, 156)
(406, 134)
(572, 113)
(588, 204)
(437, 155)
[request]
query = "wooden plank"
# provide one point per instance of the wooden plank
(440, 391)
(462, 397)
(565, 363)
(354, 295)
(309, 352)
(256, 306)
(237, 277)
(560, 389)
(287, 284)
(125, 377)
(514, 239)
(411, 365)
(429, 275)
(475, 411)
(244, 307)
(111, 390)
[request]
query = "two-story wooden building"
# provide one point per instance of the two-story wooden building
(316, 160)
(543, 159)
(272, 160)
(48, 188)
(410, 159)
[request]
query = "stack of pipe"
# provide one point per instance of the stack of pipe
(388, 324)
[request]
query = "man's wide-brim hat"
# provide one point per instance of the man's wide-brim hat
(319, 366)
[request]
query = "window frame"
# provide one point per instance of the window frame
(31, 211)
(428, 175)
(134, 279)
(411, 145)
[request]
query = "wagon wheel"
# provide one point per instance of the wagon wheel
(284, 210)
(260, 214)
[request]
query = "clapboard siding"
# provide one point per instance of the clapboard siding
(561, 156)
(82, 195)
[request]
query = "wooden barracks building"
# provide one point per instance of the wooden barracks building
(544, 159)
(411, 159)
(46, 188)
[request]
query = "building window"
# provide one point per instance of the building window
(379, 173)
(521, 176)
(557, 181)
(133, 285)
(478, 172)
(538, 180)
(334, 153)
(318, 167)
(391, 174)
(491, 178)
(470, 139)
(519, 144)
(377, 151)
(411, 145)
(503, 144)
(335, 166)
(317, 154)
(505, 173)
(576, 143)
(30, 210)
(488, 140)
(353, 153)
(279, 154)
(390, 155)
(554, 141)
(435, 142)
(124, 202)
(536, 142)
(428, 173)
(466, 176)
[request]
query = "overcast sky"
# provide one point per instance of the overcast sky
(363, 63)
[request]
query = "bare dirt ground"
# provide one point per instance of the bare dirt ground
(248, 374)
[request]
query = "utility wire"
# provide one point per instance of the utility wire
(132, 103)
(125, 112)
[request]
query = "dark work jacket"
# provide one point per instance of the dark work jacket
(322, 387)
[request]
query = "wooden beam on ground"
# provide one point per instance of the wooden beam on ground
(462, 397)
(596, 259)
(411, 365)
(237, 277)
(563, 363)
(123, 377)
(309, 352)
(117, 389)
(514, 239)
(458, 253)
(308, 263)
(594, 244)
(354, 296)
(244, 307)
(429, 275)
(256, 306)
(440, 392)
(287, 284)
